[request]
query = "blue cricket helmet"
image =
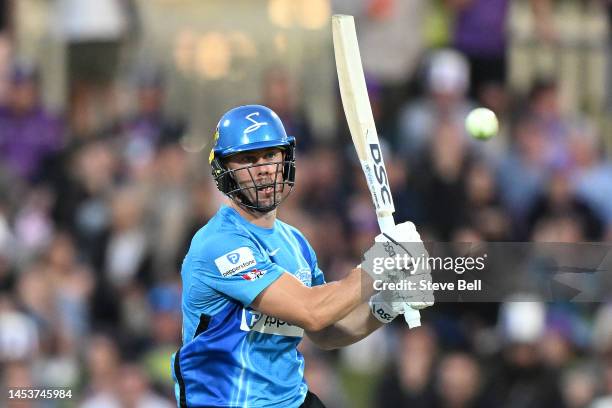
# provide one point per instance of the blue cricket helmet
(246, 128)
(249, 127)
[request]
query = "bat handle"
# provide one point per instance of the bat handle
(412, 316)
(385, 221)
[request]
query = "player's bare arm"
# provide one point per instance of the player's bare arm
(357, 325)
(318, 307)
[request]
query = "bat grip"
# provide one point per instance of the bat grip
(412, 316)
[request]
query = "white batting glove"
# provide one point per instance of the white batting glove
(404, 233)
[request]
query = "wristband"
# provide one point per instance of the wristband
(381, 310)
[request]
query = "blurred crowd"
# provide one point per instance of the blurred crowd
(98, 206)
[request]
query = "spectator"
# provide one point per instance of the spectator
(149, 128)
(445, 100)
(592, 176)
(487, 53)
(29, 134)
(579, 387)
(523, 172)
(544, 107)
(167, 210)
(36, 298)
(485, 212)
(279, 93)
(442, 177)
(519, 377)
(410, 383)
(72, 285)
(18, 333)
(122, 262)
(94, 32)
(458, 381)
(102, 362)
(559, 201)
(33, 224)
(84, 178)
(165, 320)
(126, 250)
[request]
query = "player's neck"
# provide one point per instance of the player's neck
(265, 220)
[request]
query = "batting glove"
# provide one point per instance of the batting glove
(403, 239)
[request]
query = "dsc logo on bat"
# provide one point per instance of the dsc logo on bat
(381, 176)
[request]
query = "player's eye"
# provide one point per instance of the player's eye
(270, 155)
(247, 159)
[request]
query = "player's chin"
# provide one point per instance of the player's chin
(268, 199)
(265, 197)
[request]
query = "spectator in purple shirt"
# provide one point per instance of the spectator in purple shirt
(29, 134)
(480, 33)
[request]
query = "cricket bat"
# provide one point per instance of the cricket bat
(361, 124)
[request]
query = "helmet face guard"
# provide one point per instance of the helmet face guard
(249, 194)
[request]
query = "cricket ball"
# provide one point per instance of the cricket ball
(482, 123)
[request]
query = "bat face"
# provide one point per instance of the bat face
(358, 111)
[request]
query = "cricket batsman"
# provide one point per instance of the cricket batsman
(252, 286)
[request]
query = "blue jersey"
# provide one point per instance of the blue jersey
(232, 355)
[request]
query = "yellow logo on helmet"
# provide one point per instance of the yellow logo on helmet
(211, 157)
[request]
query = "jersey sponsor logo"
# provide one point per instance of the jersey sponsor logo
(249, 319)
(253, 320)
(235, 261)
(234, 257)
(256, 125)
(253, 274)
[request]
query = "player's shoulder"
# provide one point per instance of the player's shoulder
(288, 227)
(221, 234)
(299, 236)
